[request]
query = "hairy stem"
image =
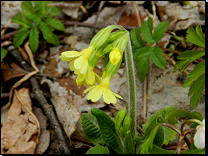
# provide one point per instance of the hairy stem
(131, 84)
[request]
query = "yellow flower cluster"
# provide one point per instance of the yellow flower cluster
(82, 63)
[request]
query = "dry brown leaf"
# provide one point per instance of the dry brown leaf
(67, 113)
(10, 74)
(19, 134)
(72, 40)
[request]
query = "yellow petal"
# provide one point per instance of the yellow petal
(95, 94)
(79, 62)
(86, 90)
(97, 78)
(84, 67)
(116, 95)
(71, 65)
(69, 55)
(108, 96)
(80, 77)
(90, 77)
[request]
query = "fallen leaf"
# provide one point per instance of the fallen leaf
(67, 113)
(19, 134)
(8, 73)
(71, 40)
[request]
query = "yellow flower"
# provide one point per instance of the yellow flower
(102, 89)
(115, 56)
(89, 79)
(79, 60)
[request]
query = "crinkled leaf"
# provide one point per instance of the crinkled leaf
(195, 37)
(160, 30)
(196, 89)
(158, 58)
(33, 39)
(143, 62)
(23, 21)
(181, 113)
(29, 11)
(128, 144)
(91, 128)
(164, 135)
(48, 34)
(98, 150)
(107, 129)
(187, 57)
(20, 36)
(154, 117)
(146, 31)
(196, 72)
(52, 11)
(55, 23)
(149, 142)
(3, 53)
(136, 38)
(42, 8)
(158, 150)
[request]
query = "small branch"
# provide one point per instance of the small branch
(144, 98)
(172, 51)
(8, 35)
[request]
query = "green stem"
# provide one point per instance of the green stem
(132, 87)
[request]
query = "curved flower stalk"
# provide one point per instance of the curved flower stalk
(199, 138)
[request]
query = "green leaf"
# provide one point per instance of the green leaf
(158, 150)
(128, 144)
(52, 11)
(181, 113)
(196, 89)
(136, 52)
(48, 34)
(187, 57)
(20, 36)
(158, 58)
(195, 37)
(146, 31)
(164, 135)
(160, 30)
(33, 39)
(23, 21)
(143, 62)
(198, 70)
(55, 23)
(153, 118)
(200, 33)
(91, 128)
(149, 142)
(3, 53)
(98, 150)
(29, 11)
(107, 129)
(42, 8)
(136, 38)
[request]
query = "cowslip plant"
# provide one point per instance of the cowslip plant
(142, 53)
(34, 18)
(196, 78)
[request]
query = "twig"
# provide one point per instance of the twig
(48, 109)
(30, 112)
(137, 13)
(172, 51)
(4, 95)
(11, 34)
(154, 12)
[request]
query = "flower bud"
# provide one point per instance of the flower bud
(115, 56)
(119, 118)
(126, 125)
(199, 138)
